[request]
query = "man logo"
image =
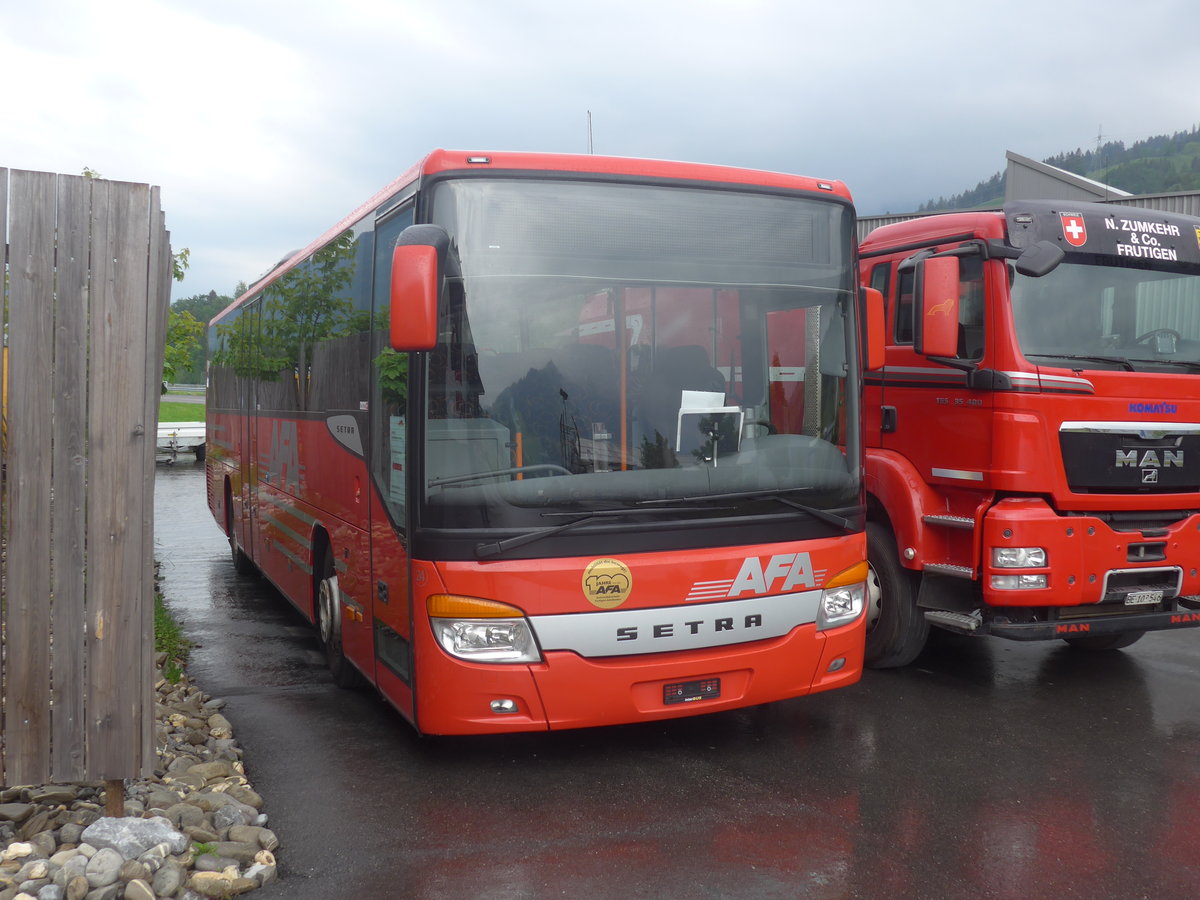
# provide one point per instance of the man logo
(607, 583)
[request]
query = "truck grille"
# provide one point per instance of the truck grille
(1129, 458)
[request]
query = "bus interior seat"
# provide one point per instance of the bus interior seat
(675, 370)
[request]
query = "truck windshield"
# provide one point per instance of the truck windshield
(607, 344)
(1109, 317)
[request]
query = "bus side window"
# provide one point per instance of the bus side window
(389, 380)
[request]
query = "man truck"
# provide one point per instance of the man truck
(1033, 440)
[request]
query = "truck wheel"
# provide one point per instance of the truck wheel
(896, 627)
(1105, 641)
(329, 625)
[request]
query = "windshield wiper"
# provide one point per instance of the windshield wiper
(1189, 363)
(831, 518)
(495, 473)
(486, 550)
(1117, 360)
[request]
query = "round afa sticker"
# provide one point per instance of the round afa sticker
(607, 583)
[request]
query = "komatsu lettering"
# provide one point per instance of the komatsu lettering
(695, 626)
(794, 568)
(1168, 409)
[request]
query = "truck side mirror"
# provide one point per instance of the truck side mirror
(873, 337)
(418, 268)
(1040, 259)
(935, 331)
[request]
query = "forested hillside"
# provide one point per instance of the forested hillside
(1155, 165)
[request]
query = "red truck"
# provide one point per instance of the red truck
(1033, 440)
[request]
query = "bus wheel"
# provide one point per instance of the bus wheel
(241, 562)
(896, 627)
(329, 626)
(1105, 641)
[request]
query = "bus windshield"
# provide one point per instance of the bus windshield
(605, 345)
(1103, 316)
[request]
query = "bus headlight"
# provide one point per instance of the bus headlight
(844, 598)
(482, 630)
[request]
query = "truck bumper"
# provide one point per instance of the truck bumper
(1049, 624)
(1088, 562)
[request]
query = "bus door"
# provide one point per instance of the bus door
(388, 456)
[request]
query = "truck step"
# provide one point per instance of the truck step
(963, 623)
(952, 571)
(965, 523)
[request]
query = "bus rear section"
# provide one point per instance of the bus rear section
(596, 458)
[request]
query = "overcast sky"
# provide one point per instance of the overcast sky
(265, 122)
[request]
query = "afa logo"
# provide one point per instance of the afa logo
(607, 583)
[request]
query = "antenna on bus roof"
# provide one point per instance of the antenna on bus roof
(589, 118)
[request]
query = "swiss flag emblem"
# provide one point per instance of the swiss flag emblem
(1074, 229)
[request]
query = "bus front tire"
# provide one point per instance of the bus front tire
(329, 626)
(896, 627)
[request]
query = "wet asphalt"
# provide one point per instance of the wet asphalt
(987, 769)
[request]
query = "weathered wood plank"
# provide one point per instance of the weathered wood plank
(158, 302)
(30, 342)
(117, 428)
(68, 455)
(4, 441)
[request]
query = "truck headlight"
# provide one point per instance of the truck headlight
(482, 630)
(1019, 557)
(844, 598)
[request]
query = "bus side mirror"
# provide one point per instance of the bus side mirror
(935, 331)
(872, 305)
(418, 265)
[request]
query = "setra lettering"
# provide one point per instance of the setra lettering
(693, 627)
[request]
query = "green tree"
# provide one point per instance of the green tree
(183, 336)
(203, 307)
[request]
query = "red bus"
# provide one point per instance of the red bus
(543, 441)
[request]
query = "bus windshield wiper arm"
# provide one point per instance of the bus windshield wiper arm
(1119, 360)
(832, 518)
(485, 550)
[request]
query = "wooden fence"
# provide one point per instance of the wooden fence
(86, 288)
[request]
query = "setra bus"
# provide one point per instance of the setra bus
(549, 441)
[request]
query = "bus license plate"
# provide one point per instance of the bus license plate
(689, 691)
(1139, 598)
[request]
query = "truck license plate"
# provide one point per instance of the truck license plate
(1139, 598)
